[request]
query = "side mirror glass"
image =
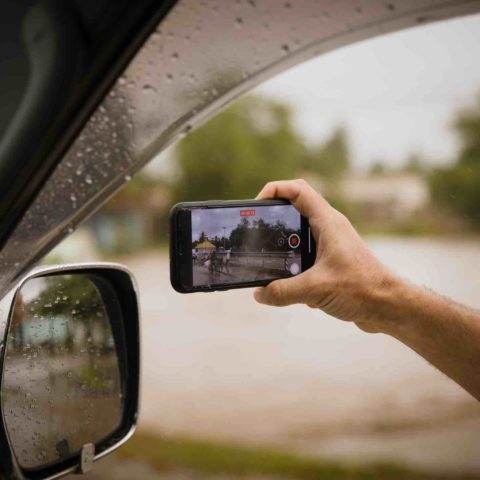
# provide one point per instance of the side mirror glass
(68, 366)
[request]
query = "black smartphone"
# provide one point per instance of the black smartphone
(220, 245)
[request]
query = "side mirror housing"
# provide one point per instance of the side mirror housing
(69, 369)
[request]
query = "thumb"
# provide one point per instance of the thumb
(284, 292)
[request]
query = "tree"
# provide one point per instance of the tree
(415, 164)
(236, 152)
(332, 158)
(378, 168)
(458, 187)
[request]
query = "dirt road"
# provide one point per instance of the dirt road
(218, 365)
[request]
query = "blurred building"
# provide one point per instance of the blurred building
(385, 197)
(394, 196)
(133, 219)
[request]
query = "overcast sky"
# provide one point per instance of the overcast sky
(211, 221)
(395, 93)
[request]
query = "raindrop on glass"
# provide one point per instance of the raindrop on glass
(149, 88)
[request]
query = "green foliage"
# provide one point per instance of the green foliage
(415, 164)
(259, 235)
(458, 187)
(237, 152)
(64, 293)
(332, 158)
(134, 194)
(211, 459)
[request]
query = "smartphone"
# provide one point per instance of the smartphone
(220, 245)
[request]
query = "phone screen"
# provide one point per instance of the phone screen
(233, 245)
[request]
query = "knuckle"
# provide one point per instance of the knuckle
(302, 183)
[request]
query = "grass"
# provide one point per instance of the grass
(215, 458)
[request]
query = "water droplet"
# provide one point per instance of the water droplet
(149, 88)
(174, 56)
(239, 21)
(285, 49)
(73, 197)
(122, 81)
(127, 178)
(88, 179)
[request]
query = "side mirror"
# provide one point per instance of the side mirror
(69, 369)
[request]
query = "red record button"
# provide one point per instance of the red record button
(293, 240)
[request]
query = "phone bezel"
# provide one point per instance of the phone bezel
(181, 271)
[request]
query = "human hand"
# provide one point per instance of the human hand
(346, 281)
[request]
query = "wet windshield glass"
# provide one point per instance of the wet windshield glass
(181, 76)
(388, 138)
(387, 130)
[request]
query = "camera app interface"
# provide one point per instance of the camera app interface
(244, 244)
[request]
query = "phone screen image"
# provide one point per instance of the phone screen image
(232, 245)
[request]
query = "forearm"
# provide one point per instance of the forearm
(443, 332)
(349, 283)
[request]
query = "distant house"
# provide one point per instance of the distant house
(389, 196)
(382, 197)
(205, 247)
(133, 219)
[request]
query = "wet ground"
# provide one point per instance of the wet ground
(245, 268)
(220, 366)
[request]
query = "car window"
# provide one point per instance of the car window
(388, 131)
(169, 88)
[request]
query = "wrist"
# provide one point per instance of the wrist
(390, 302)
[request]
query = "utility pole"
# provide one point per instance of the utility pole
(224, 239)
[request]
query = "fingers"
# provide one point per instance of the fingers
(285, 292)
(305, 199)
